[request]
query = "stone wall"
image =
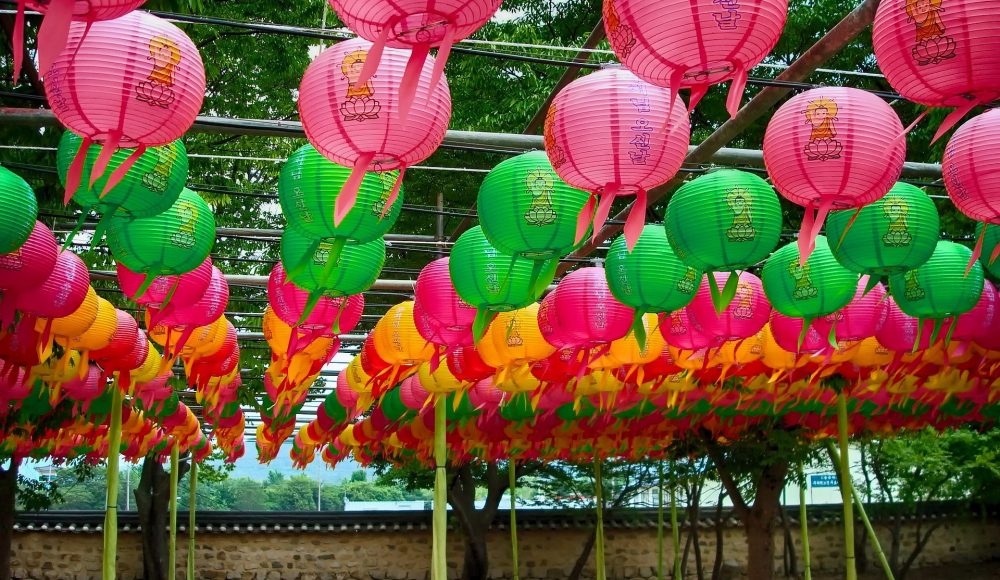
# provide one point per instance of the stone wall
(544, 553)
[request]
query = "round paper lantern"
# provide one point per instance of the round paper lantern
(525, 209)
(436, 296)
(978, 321)
(588, 314)
(150, 187)
(680, 331)
(940, 288)
(901, 332)
(816, 287)
(329, 316)
(31, 263)
(833, 148)
(492, 281)
(166, 290)
(971, 170)
(694, 43)
(466, 364)
(724, 221)
(437, 332)
(98, 335)
(940, 53)
(174, 242)
(745, 315)
(514, 338)
(366, 124)
(61, 293)
(614, 134)
(353, 272)
(136, 81)
(891, 235)
(122, 340)
(18, 211)
(863, 316)
(397, 340)
(650, 278)
(309, 188)
(206, 310)
(78, 321)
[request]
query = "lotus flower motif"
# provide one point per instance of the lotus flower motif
(360, 109)
(823, 149)
(934, 50)
(155, 93)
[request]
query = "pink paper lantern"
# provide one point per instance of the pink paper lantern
(205, 310)
(437, 299)
(330, 315)
(833, 148)
(53, 32)
(135, 82)
(611, 133)
(694, 43)
(165, 291)
(346, 396)
(413, 394)
(971, 170)
(940, 53)
(746, 314)
(588, 314)
(978, 322)
(549, 324)
(87, 388)
(787, 332)
(484, 395)
(61, 293)
(901, 332)
(680, 331)
(436, 332)
(417, 25)
(863, 316)
(25, 268)
(368, 125)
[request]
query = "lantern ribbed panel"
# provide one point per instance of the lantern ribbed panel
(149, 187)
(699, 41)
(971, 165)
(650, 278)
(84, 10)
(99, 334)
(978, 321)
(786, 330)
(436, 296)
(680, 331)
(549, 323)
(173, 242)
(466, 364)
(343, 120)
(122, 340)
(137, 74)
(80, 319)
(514, 338)
(18, 211)
(308, 189)
(526, 209)
(485, 277)
(396, 338)
(939, 52)
(940, 287)
(899, 332)
(893, 234)
(289, 302)
(439, 380)
(725, 220)
(435, 331)
(414, 22)
(863, 316)
(587, 312)
(61, 293)
(817, 288)
(186, 288)
(990, 241)
(207, 309)
(835, 146)
(347, 396)
(32, 262)
(611, 127)
(626, 351)
(745, 315)
(358, 268)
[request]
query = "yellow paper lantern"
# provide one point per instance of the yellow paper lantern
(397, 340)
(514, 339)
(440, 380)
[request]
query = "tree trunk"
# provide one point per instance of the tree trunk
(760, 522)
(720, 527)
(152, 501)
(584, 557)
(476, 565)
(462, 498)
(8, 498)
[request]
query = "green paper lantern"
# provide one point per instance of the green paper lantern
(18, 211)
(892, 235)
(723, 221)
(459, 411)
(526, 210)
(493, 281)
(334, 410)
(393, 407)
(991, 239)
(650, 278)
(308, 189)
(150, 187)
(817, 288)
(939, 288)
(174, 242)
(319, 269)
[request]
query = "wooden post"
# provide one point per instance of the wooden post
(192, 502)
(174, 466)
(110, 554)
(602, 573)
(511, 480)
(804, 524)
(850, 573)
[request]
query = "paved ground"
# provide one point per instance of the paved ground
(990, 571)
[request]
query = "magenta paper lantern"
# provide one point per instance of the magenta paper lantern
(901, 332)
(205, 310)
(134, 82)
(417, 25)
(787, 332)
(30, 264)
(681, 331)
(437, 332)
(330, 315)
(53, 32)
(485, 395)
(61, 293)
(587, 313)
(86, 388)
(165, 291)
(940, 53)
(612, 133)
(833, 148)
(368, 125)
(977, 322)
(746, 314)
(694, 43)
(346, 396)
(413, 394)
(435, 294)
(971, 170)
(550, 326)
(863, 316)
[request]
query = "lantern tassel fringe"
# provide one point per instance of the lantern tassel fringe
(74, 175)
(411, 76)
(953, 118)
(53, 33)
(736, 88)
(636, 220)
(349, 191)
(17, 40)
